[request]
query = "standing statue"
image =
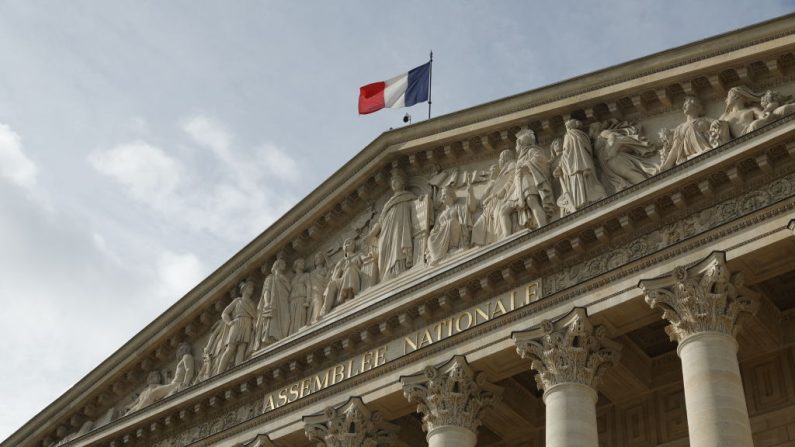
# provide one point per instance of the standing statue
(453, 224)
(299, 296)
(576, 168)
(496, 220)
(273, 310)
(774, 106)
(690, 138)
(742, 109)
(394, 230)
(239, 318)
(183, 376)
(346, 278)
(626, 158)
(318, 280)
(533, 187)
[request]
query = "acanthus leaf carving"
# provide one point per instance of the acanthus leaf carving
(351, 424)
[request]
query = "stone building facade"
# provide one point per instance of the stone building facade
(606, 261)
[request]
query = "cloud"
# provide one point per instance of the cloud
(15, 166)
(178, 273)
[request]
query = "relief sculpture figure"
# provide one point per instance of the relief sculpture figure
(318, 280)
(239, 318)
(346, 278)
(183, 376)
(626, 158)
(452, 228)
(299, 296)
(273, 310)
(534, 188)
(496, 221)
(690, 138)
(576, 168)
(394, 230)
(743, 108)
(774, 106)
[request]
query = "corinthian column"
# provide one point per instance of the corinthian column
(351, 424)
(703, 304)
(569, 356)
(451, 399)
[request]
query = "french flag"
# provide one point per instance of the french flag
(404, 90)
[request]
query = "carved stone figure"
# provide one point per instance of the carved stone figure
(742, 109)
(626, 158)
(346, 278)
(239, 318)
(690, 138)
(453, 224)
(212, 351)
(273, 310)
(495, 222)
(534, 188)
(318, 281)
(394, 230)
(576, 168)
(774, 106)
(299, 296)
(183, 376)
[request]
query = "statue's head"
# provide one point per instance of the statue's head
(398, 180)
(320, 260)
(153, 378)
(299, 265)
(740, 96)
(349, 246)
(183, 349)
(247, 288)
(506, 157)
(557, 146)
(692, 106)
(573, 124)
(448, 195)
(279, 265)
(525, 138)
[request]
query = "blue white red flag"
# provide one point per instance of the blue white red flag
(404, 90)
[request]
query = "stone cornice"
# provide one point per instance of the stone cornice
(369, 161)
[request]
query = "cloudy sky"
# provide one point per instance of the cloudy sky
(143, 143)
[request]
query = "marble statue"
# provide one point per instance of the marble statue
(496, 219)
(394, 230)
(534, 188)
(577, 170)
(183, 376)
(563, 202)
(318, 280)
(626, 158)
(774, 106)
(212, 351)
(239, 319)
(299, 296)
(273, 310)
(346, 278)
(452, 228)
(743, 108)
(690, 138)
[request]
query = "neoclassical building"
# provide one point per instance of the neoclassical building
(606, 261)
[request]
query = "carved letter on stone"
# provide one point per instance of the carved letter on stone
(702, 298)
(450, 395)
(569, 350)
(351, 424)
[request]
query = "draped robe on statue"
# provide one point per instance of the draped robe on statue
(533, 180)
(395, 240)
(450, 232)
(299, 301)
(625, 158)
(498, 198)
(273, 322)
(689, 139)
(578, 178)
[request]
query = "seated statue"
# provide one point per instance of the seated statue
(498, 203)
(453, 224)
(743, 108)
(690, 138)
(346, 278)
(774, 106)
(154, 391)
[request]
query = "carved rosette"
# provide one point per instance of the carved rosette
(351, 424)
(702, 298)
(569, 350)
(451, 394)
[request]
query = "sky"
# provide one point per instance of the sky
(143, 143)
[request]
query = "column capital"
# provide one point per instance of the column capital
(450, 395)
(703, 298)
(568, 350)
(351, 424)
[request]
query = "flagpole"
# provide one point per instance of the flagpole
(430, 84)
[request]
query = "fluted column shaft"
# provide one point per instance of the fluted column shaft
(704, 305)
(571, 415)
(451, 436)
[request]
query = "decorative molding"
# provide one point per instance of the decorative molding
(706, 297)
(450, 394)
(568, 350)
(351, 424)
